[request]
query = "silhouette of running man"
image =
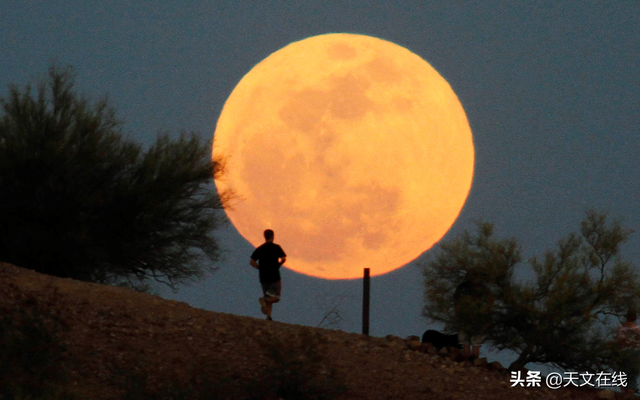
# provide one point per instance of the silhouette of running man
(267, 259)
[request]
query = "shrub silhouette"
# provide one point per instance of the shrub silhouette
(565, 316)
(79, 200)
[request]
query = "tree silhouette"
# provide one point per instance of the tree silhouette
(565, 316)
(79, 200)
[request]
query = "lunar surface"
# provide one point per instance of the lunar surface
(354, 150)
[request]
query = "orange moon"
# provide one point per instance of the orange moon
(354, 150)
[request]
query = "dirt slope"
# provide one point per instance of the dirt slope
(120, 344)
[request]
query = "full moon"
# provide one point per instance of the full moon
(354, 150)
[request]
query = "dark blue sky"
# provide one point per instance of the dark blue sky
(551, 90)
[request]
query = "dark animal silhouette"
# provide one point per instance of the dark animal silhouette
(440, 340)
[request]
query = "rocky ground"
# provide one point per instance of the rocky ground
(118, 343)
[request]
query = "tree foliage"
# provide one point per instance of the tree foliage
(79, 200)
(565, 316)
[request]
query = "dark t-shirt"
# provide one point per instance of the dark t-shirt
(267, 257)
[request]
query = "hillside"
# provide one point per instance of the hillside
(117, 343)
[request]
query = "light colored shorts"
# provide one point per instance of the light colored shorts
(271, 289)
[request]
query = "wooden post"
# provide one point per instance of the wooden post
(365, 303)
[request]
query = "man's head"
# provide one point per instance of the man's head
(268, 235)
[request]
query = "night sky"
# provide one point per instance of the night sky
(551, 90)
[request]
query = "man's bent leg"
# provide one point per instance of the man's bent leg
(263, 305)
(271, 292)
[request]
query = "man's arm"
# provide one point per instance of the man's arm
(254, 264)
(283, 256)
